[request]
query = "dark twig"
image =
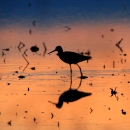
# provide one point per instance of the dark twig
(45, 49)
(52, 115)
(25, 59)
(118, 45)
(20, 46)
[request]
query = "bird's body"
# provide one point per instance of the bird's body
(71, 57)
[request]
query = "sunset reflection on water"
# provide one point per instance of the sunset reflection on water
(22, 100)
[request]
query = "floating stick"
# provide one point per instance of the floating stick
(20, 46)
(67, 28)
(45, 49)
(118, 45)
(113, 64)
(34, 23)
(25, 59)
(52, 115)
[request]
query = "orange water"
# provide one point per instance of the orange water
(51, 78)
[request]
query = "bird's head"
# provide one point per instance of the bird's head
(58, 48)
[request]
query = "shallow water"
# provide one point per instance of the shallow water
(22, 100)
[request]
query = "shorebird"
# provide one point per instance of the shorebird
(71, 58)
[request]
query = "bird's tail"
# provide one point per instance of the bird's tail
(88, 58)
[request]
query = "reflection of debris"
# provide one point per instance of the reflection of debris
(113, 64)
(91, 110)
(3, 54)
(122, 94)
(33, 68)
(7, 49)
(123, 112)
(20, 67)
(118, 45)
(9, 123)
(52, 115)
(112, 30)
(113, 92)
(102, 36)
(20, 46)
(45, 49)
(117, 98)
(121, 60)
(4, 60)
(83, 77)
(67, 28)
(34, 119)
(16, 72)
(25, 59)
(34, 49)
(90, 84)
(34, 23)
(21, 77)
(30, 31)
(58, 124)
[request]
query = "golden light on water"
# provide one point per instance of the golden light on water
(52, 77)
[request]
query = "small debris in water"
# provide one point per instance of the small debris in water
(7, 49)
(34, 49)
(33, 68)
(52, 115)
(123, 112)
(21, 76)
(34, 119)
(9, 123)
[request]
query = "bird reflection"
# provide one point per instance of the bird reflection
(70, 95)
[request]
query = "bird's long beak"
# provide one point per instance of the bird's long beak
(51, 51)
(52, 102)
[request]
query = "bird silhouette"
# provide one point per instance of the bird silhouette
(71, 58)
(70, 95)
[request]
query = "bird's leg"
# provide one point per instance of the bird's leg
(80, 83)
(80, 70)
(70, 71)
(70, 82)
(70, 76)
